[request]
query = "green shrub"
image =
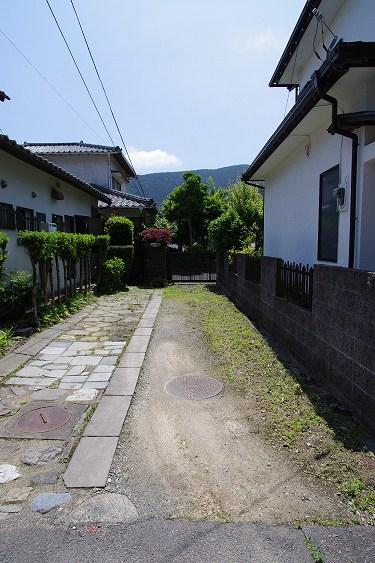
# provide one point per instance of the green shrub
(102, 243)
(3, 254)
(125, 252)
(112, 275)
(120, 229)
(15, 299)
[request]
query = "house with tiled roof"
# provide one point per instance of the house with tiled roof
(105, 168)
(36, 194)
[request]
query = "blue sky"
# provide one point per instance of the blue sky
(188, 79)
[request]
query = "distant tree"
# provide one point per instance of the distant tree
(185, 206)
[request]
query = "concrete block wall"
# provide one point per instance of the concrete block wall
(335, 340)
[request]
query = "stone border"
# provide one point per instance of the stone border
(92, 460)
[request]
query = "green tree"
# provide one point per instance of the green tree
(185, 206)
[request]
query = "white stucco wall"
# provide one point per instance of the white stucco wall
(292, 200)
(23, 179)
(355, 21)
(92, 168)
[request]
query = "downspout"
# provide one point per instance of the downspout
(353, 183)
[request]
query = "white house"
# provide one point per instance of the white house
(104, 167)
(33, 192)
(319, 165)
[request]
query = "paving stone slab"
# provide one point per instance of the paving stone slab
(8, 473)
(142, 332)
(65, 385)
(99, 376)
(47, 478)
(131, 360)
(146, 323)
(74, 379)
(82, 396)
(31, 381)
(76, 370)
(95, 385)
(104, 369)
(39, 455)
(9, 429)
(108, 361)
(109, 417)
(85, 360)
(91, 462)
(32, 346)
(123, 382)
(48, 395)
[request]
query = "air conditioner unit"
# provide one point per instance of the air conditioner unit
(51, 227)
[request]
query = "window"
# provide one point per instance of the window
(115, 184)
(40, 218)
(24, 219)
(58, 219)
(7, 216)
(328, 216)
(81, 224)
(69, 224)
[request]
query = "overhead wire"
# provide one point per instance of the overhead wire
(80, 73)
(291, 79)
(49, 83)
(106, 95)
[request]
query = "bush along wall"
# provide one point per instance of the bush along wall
(54, 256)
(121, 234)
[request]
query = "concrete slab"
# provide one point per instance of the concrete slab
(95, 385)
(131, 360)
(109, 417)
(142, 332)
(123, 382)
(138, 344)
(11, 362)
(74, 379)
(31, 381)
(91, 462)
(82, 396)
(85, 360)
(104, 369)
(146, 323)
(33, 347)
(99, 377)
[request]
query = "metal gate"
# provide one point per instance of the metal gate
(191, 266)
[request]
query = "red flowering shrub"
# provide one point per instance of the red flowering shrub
(162, 236)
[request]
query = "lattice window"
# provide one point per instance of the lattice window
(25, 219)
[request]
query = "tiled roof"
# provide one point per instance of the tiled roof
(19, 151)
(80, 147)
(125, 200)
(63, 148)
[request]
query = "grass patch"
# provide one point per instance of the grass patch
(314, 550)
(6, 339)
(324, 440)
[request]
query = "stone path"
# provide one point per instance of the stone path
(72, 366)
(91, 462)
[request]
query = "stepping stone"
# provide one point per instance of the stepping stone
(8, 473)
(74, 379)
(123, 382)
(107, 508)
(70, 385)
(52, 351)
(47, 478)
(109, 417)
(109, 361)
(47, 395)
(44, 502)
(104, 369)
(15, 496)
(31, 381)
(99, 377)
(84, 395)
(95, 385)
(131, 360)
(91, 462)
(40, 455)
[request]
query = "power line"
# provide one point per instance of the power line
(79, 72)
(106, 95)
(48, 82)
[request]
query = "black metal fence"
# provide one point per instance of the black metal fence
(295, 283)
(191, 266)
(253, 268)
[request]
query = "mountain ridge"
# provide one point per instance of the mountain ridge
(159, 184)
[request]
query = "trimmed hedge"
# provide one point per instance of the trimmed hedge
(120, 229)
(125, 252)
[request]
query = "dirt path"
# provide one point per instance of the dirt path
(205, 459)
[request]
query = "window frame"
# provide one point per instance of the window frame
(28, 218)
(320, 238)
(8, 209)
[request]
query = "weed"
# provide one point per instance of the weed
(315, 552)
(53, 314)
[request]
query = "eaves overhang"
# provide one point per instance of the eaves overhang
(342, 57)
(297, 34)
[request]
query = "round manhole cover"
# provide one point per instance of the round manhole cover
(194, 387)
(43, 419)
